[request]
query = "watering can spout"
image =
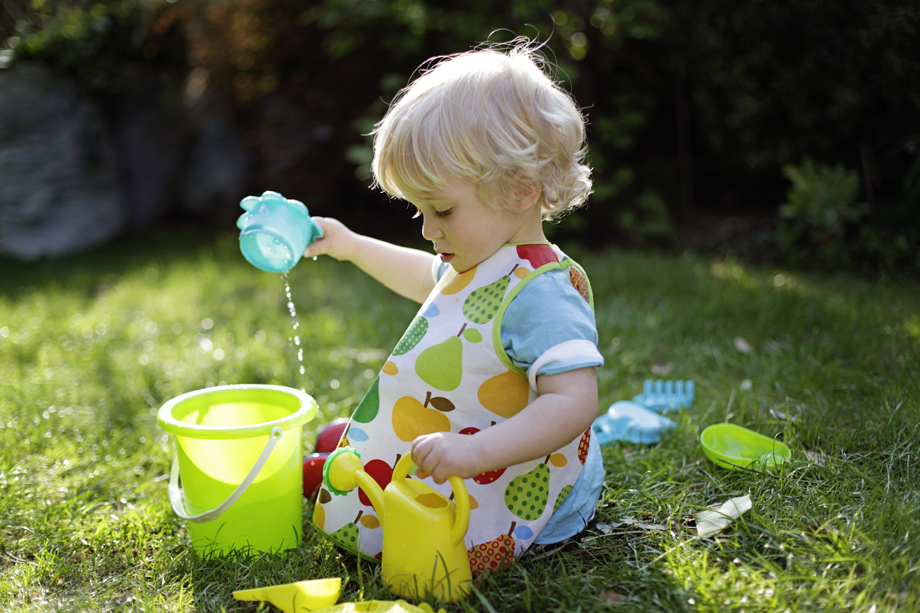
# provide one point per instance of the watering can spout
(343, 472)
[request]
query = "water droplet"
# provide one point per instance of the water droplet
(295, 340)
(314, 258)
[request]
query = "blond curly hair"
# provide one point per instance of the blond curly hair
(492, 117)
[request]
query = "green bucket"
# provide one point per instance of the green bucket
(239, 459)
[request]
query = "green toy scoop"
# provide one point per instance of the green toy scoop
(736, 448)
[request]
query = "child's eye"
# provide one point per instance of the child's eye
(444, 213)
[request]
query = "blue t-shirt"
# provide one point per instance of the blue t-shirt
(549, 328)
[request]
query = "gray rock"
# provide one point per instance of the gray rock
(149, 125)
(59, 168)
(215, 173)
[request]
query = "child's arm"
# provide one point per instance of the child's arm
(405, 271)
(566, 407)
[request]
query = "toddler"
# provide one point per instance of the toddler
(494, 380)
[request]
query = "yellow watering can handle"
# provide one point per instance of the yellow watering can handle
(461, 498)
(462, 519)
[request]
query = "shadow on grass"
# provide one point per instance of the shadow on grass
(85, 271)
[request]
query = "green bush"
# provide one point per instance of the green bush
(821, 206)
(693, 105)
(823, 222)
(92, 42)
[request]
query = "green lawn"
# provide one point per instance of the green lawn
(92, 345)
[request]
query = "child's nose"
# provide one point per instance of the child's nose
(430, 229)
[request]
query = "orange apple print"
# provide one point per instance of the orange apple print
(580, 283)
(459, 282)
(412, 418)
(493, 555)
(583, 446)
(505, 394)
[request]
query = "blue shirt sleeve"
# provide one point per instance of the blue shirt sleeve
(551, 325)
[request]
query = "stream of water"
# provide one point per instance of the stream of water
(295, 339)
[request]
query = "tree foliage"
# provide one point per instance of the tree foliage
(693, 105)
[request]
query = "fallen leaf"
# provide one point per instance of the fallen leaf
(742, 345)
(785, 416)
(816, 457)
(714, 521)
(662, 369)
(643, 526)
(611, 597)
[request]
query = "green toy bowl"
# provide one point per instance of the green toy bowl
(734, 447)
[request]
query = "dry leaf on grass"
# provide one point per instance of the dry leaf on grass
(817, 457)
(742, 345)
(611, 597)
(712, 522)
(662, 369)
(629, 521)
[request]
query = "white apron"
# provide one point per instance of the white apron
(449, 373)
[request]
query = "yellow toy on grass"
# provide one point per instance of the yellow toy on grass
(423, 549)
(299, 597)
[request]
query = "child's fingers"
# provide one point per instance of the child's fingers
(421, 455)
(318, 247)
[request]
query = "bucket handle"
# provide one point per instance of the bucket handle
(175, 492)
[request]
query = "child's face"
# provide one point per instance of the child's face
(465, 231)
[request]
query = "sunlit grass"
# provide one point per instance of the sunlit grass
(92, 346)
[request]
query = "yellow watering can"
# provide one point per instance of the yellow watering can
(423, 549)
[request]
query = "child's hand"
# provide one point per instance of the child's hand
(337, 242)
(408, 272)
(445, 454)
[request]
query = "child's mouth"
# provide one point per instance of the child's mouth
(446, 257)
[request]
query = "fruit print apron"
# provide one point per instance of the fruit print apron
(450, 373)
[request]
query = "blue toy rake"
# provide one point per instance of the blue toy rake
(665, 396)
(641, 420)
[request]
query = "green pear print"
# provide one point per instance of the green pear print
(347, 535)
(562, 496)
(482, 304)
(526, 496)
(441, 365)
(413, 335)
(367, 410)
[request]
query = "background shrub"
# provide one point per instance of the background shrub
(695, 107)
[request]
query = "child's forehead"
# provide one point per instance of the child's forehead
(450, 190)
(430, 187)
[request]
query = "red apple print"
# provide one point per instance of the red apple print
(329, 437)
(313, 473)
(537, 255)
(381, 472)
(487, 477)
(583, 446)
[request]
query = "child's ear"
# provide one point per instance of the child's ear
(526, 195)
